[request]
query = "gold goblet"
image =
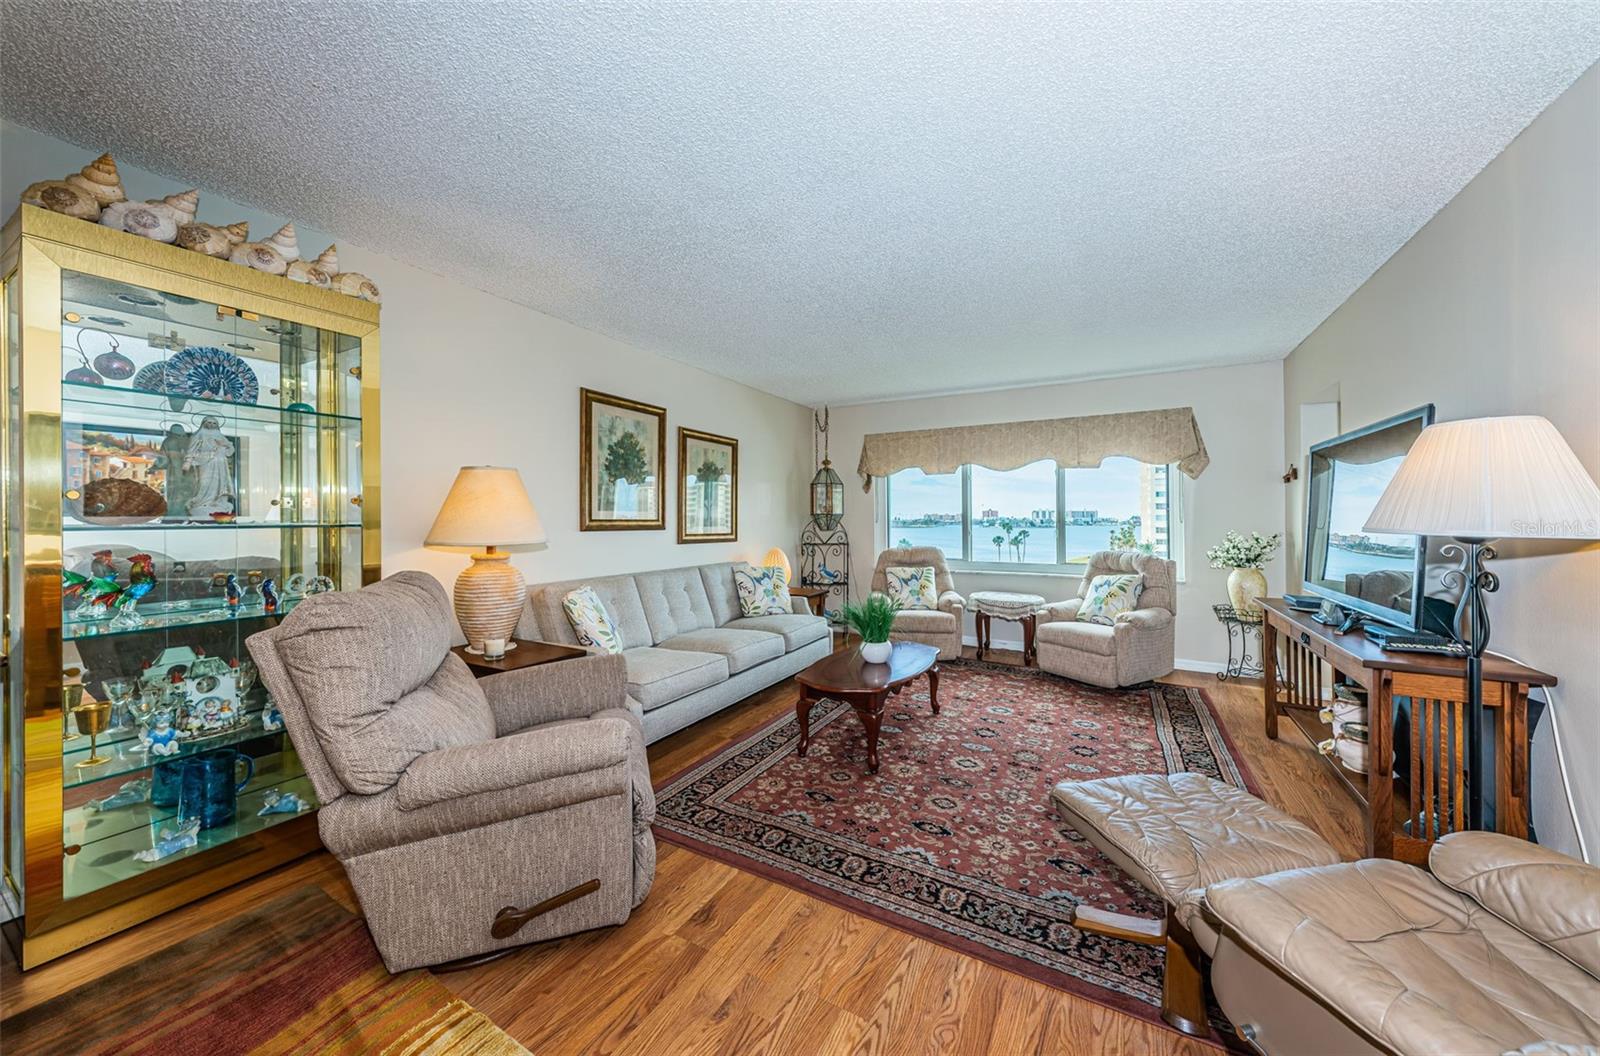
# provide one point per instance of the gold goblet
(92, 718)
(71, 697)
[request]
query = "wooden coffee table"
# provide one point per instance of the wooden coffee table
(865, 687)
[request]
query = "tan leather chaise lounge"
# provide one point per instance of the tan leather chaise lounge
(1497, 951)
(471, 815)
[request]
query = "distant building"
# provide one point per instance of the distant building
(1083, 516)
(1153, 510)
(1043, 518)
(989, 515)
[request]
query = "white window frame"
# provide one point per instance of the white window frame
(1176, 500)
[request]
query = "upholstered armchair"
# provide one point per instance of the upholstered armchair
(1137, 647)
(471, 815)
(939, 627)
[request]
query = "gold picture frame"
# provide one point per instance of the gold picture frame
(708, 509)
(618, 439)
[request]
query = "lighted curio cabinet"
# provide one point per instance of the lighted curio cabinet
(191, 450)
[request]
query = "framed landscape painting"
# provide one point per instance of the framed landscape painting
(708, 487)
(623, 465)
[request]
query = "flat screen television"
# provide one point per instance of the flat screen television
(1379, 576)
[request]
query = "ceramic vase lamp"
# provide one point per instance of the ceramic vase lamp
(488, 512)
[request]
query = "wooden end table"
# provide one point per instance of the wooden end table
(526, 654)
(814, 597)
(992, 605)
(865, 687)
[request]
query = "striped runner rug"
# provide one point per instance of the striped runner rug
(296, 975)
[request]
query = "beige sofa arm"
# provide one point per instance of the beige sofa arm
(1060, 611)
(1141, 620)
(952, 602)
(525, 758)
(566, 689)
(799, 606)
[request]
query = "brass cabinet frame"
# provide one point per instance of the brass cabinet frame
(36, 246)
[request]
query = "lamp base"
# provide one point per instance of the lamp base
(490, 595)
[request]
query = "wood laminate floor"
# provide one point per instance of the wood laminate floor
(718, 960)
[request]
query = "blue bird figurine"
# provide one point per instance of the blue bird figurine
(269, 594)
(230, 588)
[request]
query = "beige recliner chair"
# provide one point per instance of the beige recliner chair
(939, 627)
(1139, 646)
(471, 815)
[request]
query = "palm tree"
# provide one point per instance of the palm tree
(1022, 545)
(999, 541)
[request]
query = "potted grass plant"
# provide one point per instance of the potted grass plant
(872, 620)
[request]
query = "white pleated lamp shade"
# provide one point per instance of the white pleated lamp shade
(487, 506)
(1490, 478)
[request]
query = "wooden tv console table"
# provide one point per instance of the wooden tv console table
(1408, 810)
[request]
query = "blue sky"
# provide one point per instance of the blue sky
(1356, 489)
(1113, 489)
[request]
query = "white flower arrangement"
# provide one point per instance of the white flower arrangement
(1241, 551)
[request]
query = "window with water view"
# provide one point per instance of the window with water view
(1035, 515)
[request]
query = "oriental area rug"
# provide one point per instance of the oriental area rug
(954, 839)
(297, 975)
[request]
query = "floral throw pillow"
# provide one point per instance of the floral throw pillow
(762, 591)
(1109, 597)
(911, 588)
(590, 621)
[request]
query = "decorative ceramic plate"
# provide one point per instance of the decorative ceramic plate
(212, 373)
(152, 377)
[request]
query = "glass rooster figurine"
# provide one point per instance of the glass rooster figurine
(99, 594)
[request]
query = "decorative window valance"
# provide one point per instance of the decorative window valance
(1156, 437)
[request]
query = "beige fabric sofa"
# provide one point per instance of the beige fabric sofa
(1138, 647)
(688, 648)
(449, 798)
(941, 627)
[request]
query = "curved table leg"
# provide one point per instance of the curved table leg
(802, 714)
(933, 687)
(869, 709)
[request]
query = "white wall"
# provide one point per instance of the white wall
(1240, 413)
(1494, 308)
(468, 378)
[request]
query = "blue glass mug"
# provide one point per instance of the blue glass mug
(208, 786)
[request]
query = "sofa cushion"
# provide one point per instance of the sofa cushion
(1109, 596)
(743, 648)
(763, 591)
(925, 621)
(721, 591)
(1087, 637)
(590, 621)
(674, 601)
(619, 595)
(660, 676)
(795, 629)
(379, 683)
(911, 588)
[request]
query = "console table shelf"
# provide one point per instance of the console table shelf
(1420, 796)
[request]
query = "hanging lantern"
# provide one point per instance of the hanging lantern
(827, 498)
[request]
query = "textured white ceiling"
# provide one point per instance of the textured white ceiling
(833, 202)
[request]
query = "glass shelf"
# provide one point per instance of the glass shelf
(84, 828)
(112, 859)
(127, 397)
(121, 759)
(169, 615)
(204, 526)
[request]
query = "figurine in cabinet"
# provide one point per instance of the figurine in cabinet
(210, 459)
(162, 738)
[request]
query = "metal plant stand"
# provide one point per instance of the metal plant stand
(825, 562)
(1244, 626)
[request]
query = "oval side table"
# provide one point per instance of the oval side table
(1003, 605)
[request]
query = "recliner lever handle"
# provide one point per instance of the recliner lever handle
(510, 920)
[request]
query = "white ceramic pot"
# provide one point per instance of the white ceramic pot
(1245, 585)
(876, 652)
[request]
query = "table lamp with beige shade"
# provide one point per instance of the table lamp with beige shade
(489, 513)
(1475, 481)
(776, 558)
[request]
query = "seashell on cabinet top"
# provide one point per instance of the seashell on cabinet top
(59, 196)
(317, 272)
(237, 232)
(185, 204)
(153, 220)
(284, 241)
(356, 284)
(100, 180)
(206, 238)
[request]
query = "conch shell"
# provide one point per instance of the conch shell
(185, 204)
(271, 256)
(101, 181)
(59, 196)
(356, 284)
(319, 272)
(154, 220)
(211, 240)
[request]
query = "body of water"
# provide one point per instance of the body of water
(1082, 540)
